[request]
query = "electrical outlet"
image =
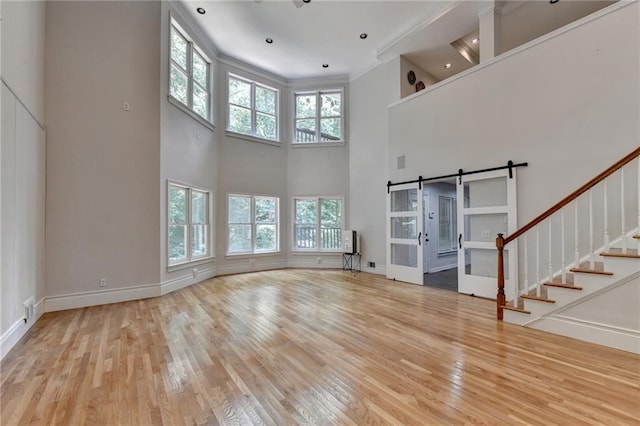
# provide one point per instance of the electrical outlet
(318, 260)
(29, 309)
(486, 235)
(194, 271)
(126, 106)
(252, 262)
(102, 282)
(198, 135)
(372, 265)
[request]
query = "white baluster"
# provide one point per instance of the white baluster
(606, 218)
(538, 261)
(526, 265)
(576, 263)
(592, 260)
(549, 254)
(562, 255)
(623, 221)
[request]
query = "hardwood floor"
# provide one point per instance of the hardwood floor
(309, 347)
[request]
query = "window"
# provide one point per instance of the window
(188, 224)
(318, 117)
(253, 224)
(318, 224)
(447, 224)
(189, 81)
(253, 109)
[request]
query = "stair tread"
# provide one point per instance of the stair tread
(564, 285)
(511, 308)
(591, 271)
(617, 252)
(538, 298)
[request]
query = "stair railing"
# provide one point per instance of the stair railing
(602, 187)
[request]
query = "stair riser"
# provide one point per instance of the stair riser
(633, 243)
(538, 308)
(562, 296)
(621, 267)
(593, 282)
(518, 318)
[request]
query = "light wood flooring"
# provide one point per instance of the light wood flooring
(309, 347)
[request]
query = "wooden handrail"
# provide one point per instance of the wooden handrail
(575, 194)
(501, 242)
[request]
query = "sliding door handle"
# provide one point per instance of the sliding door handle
(460, 240)
(420, 239)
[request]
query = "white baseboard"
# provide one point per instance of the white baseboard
(307, 262)
(601, 334)
(240, 269)
(379, 270)
(101, 297)
(18, 329)
(186, 280)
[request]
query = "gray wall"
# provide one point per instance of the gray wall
(103, 163)
(23, 165)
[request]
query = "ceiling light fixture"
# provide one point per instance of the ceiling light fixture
(447, 66)
(553, 1)
(475, 41)
(363, 36)
(201, 11)
(306, 1)
(325, 65)
(269, 40)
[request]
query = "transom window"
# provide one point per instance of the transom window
(447, 224)
(188, 224)
(318, 117)
(252, 224)
(318, 224)
(253, 108)
(189, 80)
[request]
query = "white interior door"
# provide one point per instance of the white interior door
(486, 207)
(405, 233)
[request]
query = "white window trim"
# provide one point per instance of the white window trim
(253, 252)
(253, 136)
(318, 93)
(172, 266)
(317, 199)
(188, 108)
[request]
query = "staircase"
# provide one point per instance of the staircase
(574, 277)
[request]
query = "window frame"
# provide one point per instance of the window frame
(254, 112)
(254, 226)
(190, 259)
(453, 224)
(318, 117)
(192, 50)
(318, 248)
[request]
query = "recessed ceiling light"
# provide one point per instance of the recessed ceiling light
(306, 1)
(325, 65)
(363, 36)
(475, 41)
(447, 66)
(553, 1)
(201, 11)
(269, 40)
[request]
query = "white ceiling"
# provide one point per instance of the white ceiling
(307, 35)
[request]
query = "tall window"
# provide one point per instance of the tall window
(447, 224)
(318, 224)
(253, 109)
(189, 81)
(319, 117)
(253, 224)
(188, 224)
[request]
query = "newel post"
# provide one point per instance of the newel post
(500, 298)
